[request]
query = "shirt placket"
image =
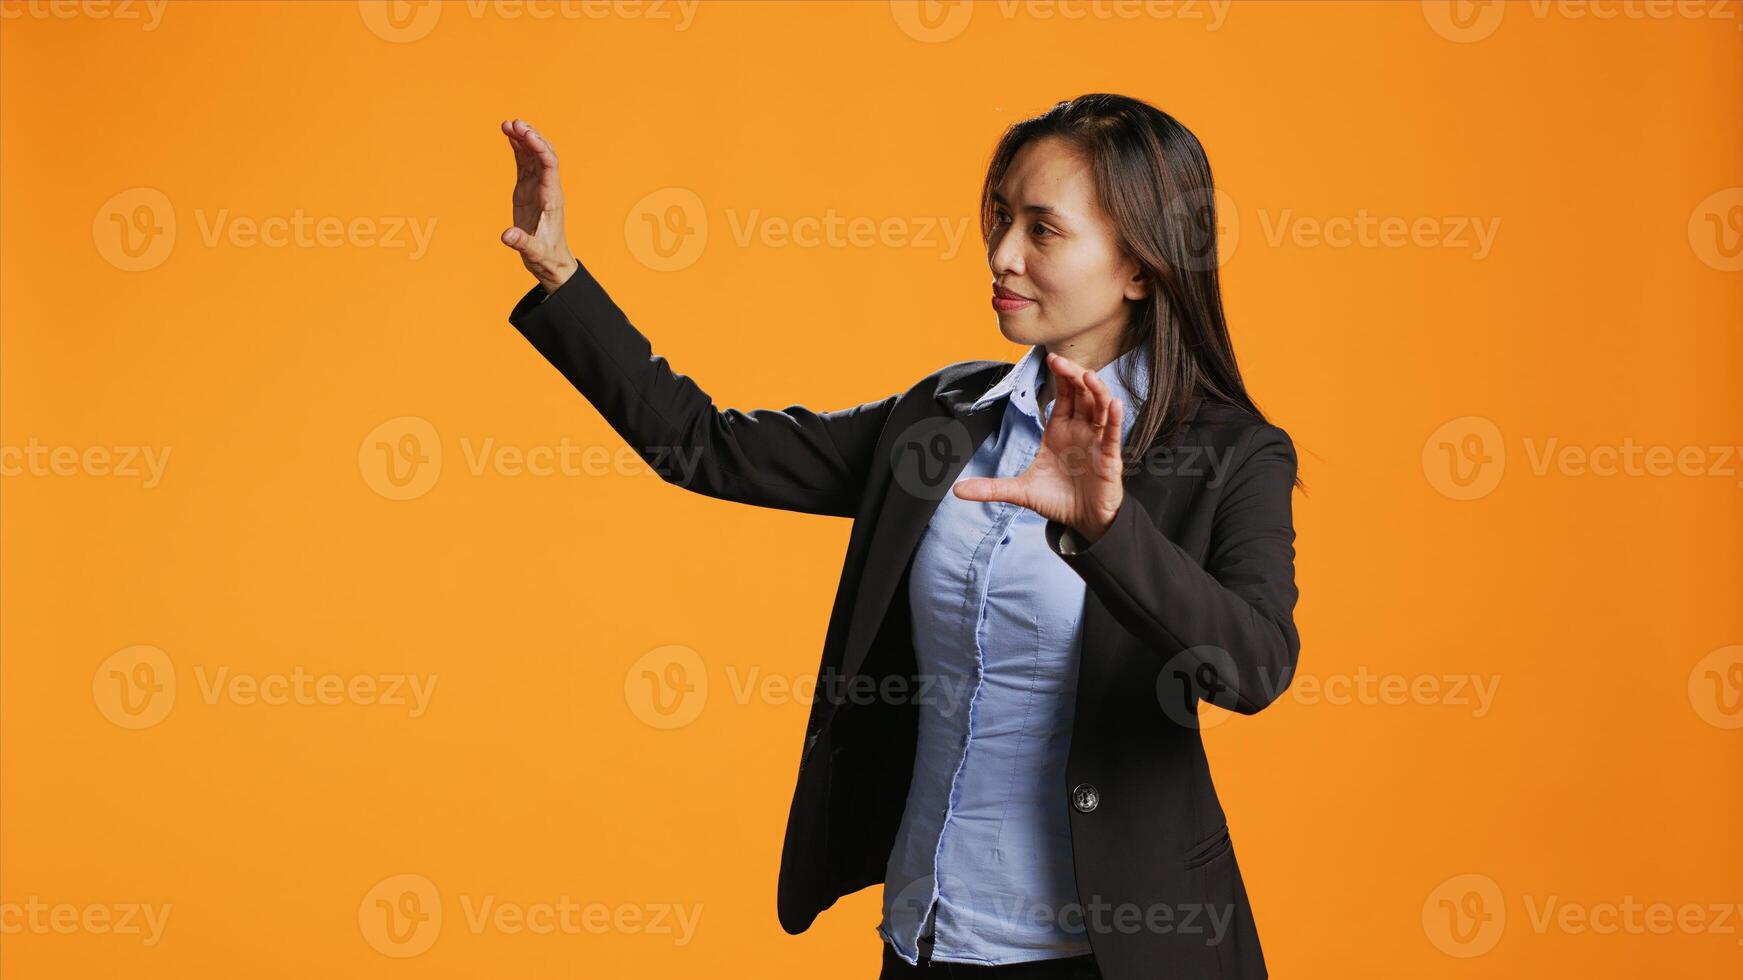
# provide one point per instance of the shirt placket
(998, 536)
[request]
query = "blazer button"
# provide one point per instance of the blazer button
(1085, 797)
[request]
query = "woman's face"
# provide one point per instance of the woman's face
(1053, 245)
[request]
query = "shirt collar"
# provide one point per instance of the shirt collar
(1020, 383)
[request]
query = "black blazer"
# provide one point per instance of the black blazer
(1190, 595)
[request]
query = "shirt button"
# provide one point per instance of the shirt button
(1085, 797)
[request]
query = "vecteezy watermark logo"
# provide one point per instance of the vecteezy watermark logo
(937, 21)
(1465, 458)
(1464, 21)
(146, 12)
(405, 21)
(401, 916)
(932, 21)
(1716, 229)
(1473, 692)
(1210, 225)
(135, 687)
(120, 462)
(1465, 915)
(1716, 687)
(927, 453)
(667, 230)
(1209, 675)
(135, 230)
(400, 21)
(401, 458)
(1195, 674)
(37, 917)
(667, 687)
(910, 902)
(831, 230)
(1453, 233)
(1210, 923)
(1468, 21)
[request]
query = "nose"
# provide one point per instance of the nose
(1006, 256)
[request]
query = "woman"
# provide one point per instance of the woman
(1027, 781)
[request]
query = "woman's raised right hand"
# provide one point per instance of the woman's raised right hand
(537, 232)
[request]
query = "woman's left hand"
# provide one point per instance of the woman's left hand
(1075, 477)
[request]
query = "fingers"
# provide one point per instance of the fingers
(1002, 489)
(537, 144)
(1080, 393)
(533, 153)
(525, 164)
(1110, 433)
(1096, 397)
(1064, 388)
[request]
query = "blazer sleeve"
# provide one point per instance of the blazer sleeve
(791, 458)
(1236, 613)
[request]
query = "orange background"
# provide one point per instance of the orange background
(1599, 609)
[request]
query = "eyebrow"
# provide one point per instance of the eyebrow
(1039, 208)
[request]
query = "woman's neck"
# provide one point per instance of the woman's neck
(1083, 352)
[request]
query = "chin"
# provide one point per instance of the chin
(1016, 331)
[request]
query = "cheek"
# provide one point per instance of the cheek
(1062, 281)
(1075, 289)
(1094, 282)
(1050, 278)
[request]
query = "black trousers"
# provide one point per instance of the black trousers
(1067, 968)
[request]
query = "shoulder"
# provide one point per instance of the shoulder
(980, 374)
(1233, 424)
(1231, 429)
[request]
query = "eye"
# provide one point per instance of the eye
(1000, 216)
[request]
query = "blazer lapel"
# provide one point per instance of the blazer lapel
(926, 460)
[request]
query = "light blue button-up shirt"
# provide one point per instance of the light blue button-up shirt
(982, 860)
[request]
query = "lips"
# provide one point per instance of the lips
(1009, 301)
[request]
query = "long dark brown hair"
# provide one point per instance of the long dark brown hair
(1153, 180)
